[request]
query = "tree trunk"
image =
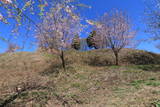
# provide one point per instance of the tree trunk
(63, 60)
(117, 58)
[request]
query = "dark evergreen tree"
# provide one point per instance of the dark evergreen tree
(76, 42)
(91, 40)
(84, 45)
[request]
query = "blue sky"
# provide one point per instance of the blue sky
(135, 9)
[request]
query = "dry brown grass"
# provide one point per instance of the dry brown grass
(44, 83)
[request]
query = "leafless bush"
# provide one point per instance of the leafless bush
(12, 47)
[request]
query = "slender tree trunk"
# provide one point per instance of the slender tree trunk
(63, 60)
(117, 58)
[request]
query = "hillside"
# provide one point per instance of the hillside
(91, 80)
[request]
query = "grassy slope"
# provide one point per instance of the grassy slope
(84, 84)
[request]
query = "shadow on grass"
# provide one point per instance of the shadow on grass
(56, 69)
(53, 68)
(154, 68)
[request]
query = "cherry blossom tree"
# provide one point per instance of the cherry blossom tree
(19, 14)
(58, 29)
(115, 29)
(152, 19)
(25, 9)
(21, 9)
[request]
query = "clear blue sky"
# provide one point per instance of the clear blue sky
(135, 9)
